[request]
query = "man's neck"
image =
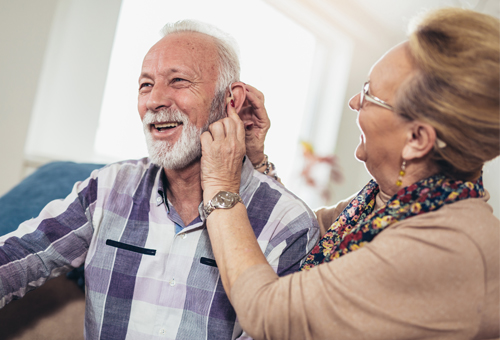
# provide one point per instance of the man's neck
(184, 191)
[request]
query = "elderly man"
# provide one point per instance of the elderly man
(139, 226)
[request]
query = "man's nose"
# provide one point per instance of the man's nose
(158, 98)
(354, 102)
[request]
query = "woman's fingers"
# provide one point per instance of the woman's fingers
(229, 127)
(256, 124)
(217, 130)
(235, 126)
(256, 112)
(223, 148)
(252, 90)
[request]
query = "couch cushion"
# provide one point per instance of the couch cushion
(51, 181)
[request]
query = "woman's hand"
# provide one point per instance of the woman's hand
(223, 149)
(233, 240)
(256, 122)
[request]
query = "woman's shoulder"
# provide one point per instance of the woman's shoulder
(472, 218)
(327, 215)
(469, 215)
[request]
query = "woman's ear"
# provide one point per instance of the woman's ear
(420, 141)
(237, 93)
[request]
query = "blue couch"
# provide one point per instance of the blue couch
(51, 181)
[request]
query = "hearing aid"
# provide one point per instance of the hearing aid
(230, 99)
(230, 93)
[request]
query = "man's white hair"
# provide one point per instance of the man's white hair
(227, 47)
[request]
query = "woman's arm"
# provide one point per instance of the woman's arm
(393, 287)
(413, 281)
(233, 240)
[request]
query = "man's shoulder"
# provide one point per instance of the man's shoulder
(270, 197)
(130, 171)
(129, 165)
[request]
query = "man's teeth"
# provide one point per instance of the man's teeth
(166, 125)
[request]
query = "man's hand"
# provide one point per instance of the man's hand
(256, 122)
(223, 149)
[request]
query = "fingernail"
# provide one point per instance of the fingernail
(247, 90)
(232, 103)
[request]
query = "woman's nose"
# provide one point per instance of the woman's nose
(354, 102)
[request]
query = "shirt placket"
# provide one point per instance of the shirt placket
(177, 270)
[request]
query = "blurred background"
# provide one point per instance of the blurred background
(69, 70)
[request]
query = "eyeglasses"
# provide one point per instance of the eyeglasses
(365, 95)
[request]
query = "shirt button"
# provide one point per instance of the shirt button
(159, 200)
(184, 235)
(162, 331)
(172, 282)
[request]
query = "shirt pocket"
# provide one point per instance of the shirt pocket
(129, 247)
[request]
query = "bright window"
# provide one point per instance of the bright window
(276, 57)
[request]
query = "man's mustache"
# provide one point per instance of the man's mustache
(164, 115)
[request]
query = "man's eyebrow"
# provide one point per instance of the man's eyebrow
(144, 75)
(183, 71)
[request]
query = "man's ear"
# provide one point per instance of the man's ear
(239, 95)
(420, 141)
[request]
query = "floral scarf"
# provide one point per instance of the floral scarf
(358, 224)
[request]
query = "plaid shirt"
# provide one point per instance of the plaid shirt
(147, 275)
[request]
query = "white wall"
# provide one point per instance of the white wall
(68, 101)
(53, 66)
(24, 31)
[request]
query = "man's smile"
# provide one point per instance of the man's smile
(166, 130)
(165, 126)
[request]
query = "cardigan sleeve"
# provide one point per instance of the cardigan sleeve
(416, 279)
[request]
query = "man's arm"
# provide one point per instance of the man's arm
(44, 247)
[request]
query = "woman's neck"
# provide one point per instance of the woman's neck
(416, 170)
(381, 200)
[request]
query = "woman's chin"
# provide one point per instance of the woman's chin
(360, 153)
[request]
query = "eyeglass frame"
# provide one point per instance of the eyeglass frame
(375, 100)
(372, 99)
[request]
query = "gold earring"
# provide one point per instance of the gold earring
(402, 172)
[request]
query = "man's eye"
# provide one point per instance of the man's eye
(144, 85)
(176, 80)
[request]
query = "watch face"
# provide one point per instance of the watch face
(224, 199)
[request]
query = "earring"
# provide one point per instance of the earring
(402, 172)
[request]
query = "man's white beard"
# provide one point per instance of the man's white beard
(185, 150)
(188, 147)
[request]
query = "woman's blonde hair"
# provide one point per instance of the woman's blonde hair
(456, 87)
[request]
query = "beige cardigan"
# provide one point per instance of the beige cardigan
(432, 276)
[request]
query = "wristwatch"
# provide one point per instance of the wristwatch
(221, 200)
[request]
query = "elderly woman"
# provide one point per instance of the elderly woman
(415, 254)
